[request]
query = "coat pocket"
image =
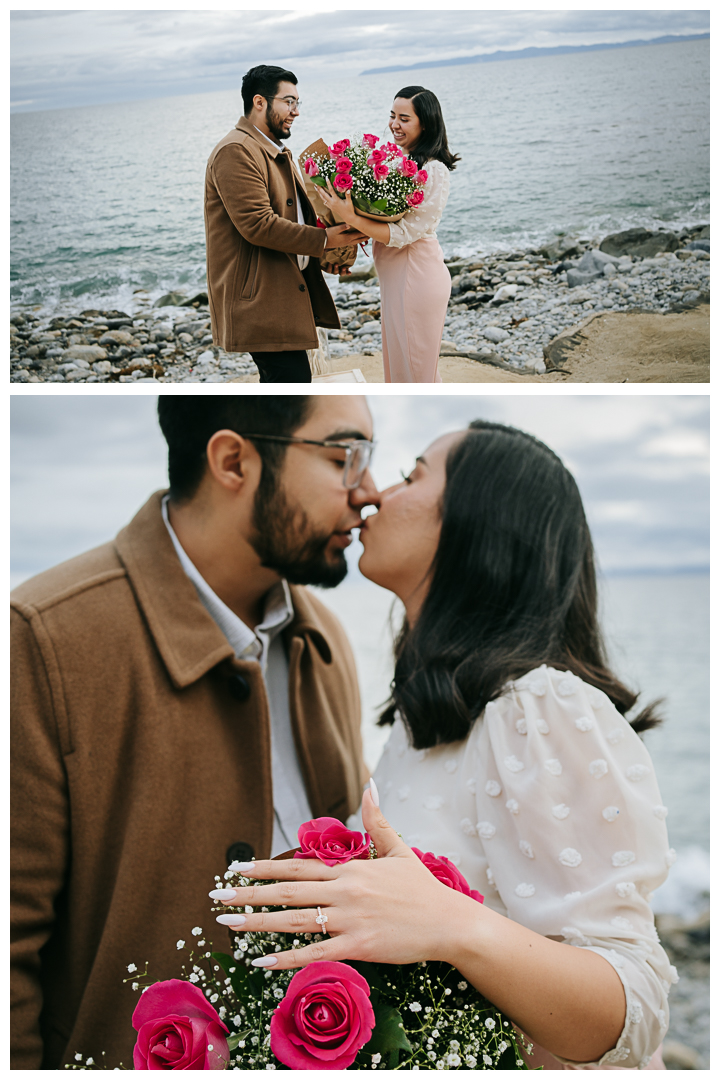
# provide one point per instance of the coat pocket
(246, 273)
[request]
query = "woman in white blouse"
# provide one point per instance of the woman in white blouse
(511, 755)
(414, 281)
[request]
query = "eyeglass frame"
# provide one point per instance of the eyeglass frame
(348, 447)
(276, 97)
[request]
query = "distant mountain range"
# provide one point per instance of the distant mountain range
(525, 54)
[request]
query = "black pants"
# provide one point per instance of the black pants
(283, 366)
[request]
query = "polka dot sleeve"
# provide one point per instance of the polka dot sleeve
(573, 827)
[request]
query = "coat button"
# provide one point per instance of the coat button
(302, 288)
(239, 852)
(289, 202)
(239, 687)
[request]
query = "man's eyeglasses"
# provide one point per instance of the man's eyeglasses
(357, 454)
(291, 102)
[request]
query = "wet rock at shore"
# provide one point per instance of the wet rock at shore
(640, 242)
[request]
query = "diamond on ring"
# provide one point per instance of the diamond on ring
(321, 920)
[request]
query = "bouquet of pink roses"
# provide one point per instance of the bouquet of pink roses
(226, 1013)
(382, 183)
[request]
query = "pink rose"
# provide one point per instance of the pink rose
(415, 198)
(311, 168)
(343, 164)
(339, 148)
(370, 141)
(421, 177)
(324, 1018)
(438, 865)
(380, 172)
(178, 1029)
(408, 167)
(327, 839)
(343, 182)
(377, 157)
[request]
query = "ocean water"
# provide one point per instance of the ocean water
(106, 200)
(657, 629)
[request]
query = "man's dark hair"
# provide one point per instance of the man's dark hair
(513, 587)
(263, 79)
(188, 424)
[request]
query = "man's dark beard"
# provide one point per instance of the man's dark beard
(285, 543)
(274, 124)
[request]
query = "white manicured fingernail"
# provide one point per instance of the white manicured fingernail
(374, 792)
(231, 920)
(222, 894)
(241, 867)
(265, 961)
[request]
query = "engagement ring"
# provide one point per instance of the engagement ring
(321, 919)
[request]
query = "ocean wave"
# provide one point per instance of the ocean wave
(686, 893)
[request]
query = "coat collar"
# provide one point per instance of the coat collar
(269, 147)
(186, 636)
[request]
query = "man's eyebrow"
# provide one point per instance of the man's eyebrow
(346, 433)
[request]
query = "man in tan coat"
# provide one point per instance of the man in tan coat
(264, 249)
(179, 701)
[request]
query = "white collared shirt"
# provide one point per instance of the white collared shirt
(264, 645)
(303, 260)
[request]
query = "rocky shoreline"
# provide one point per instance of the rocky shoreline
(506, 309)
(687, 943)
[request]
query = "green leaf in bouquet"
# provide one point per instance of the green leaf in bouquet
(237, 1037)
(242, 979)
(361, 203)
(380, 206)
(388, 1034)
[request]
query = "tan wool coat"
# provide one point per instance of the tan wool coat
(259, 299)
(135, 767)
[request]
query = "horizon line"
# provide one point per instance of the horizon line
(533, 51)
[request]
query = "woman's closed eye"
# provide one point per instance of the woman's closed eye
(407, 479)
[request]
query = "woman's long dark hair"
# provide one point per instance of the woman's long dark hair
(433, 141)
(513, 586)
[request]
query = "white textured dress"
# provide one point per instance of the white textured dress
(551, 808)
(415, 286)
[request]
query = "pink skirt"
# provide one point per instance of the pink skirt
(414, 294)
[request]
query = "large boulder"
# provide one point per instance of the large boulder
(639, 242)
(171, 299)
(560, 248)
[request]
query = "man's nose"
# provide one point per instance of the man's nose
(365, 494)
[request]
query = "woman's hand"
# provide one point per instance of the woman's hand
(342, 209)
(389, 910)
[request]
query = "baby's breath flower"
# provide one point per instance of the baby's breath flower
(78, 1057)
(462, 985)
(194, 977)
(181, 944)
(136, 986)
(197, 931)
(132, 967)
(470, 1061)
(487, 1059)
(415, 1006)
(376, 1059)
(453, 1061)
(489, 1023)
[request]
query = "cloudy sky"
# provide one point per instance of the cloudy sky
(81, 466)
(70, 58)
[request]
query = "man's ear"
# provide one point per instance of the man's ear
(233, 461)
